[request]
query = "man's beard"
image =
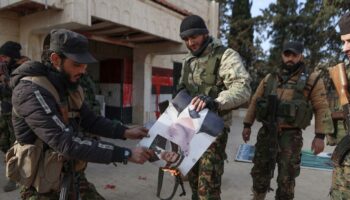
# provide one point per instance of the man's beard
(292, 68)
(203, 46)
(65, 77)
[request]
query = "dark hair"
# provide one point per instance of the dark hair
(45, 56)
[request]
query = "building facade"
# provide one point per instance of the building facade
(136, 42)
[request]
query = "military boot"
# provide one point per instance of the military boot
(10, 186)
(259, 196)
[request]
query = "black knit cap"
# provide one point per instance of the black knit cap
(11, 49)
(192, 25)
(344, 24)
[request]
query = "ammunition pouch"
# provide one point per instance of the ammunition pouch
(30, 165)
(261, 109)
(22, 162)
(49, 173)
(297, 113)
(340, 151)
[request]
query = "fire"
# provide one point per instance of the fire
(173, 172)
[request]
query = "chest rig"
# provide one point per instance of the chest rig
(202, 78)
(296, 112)
(70, 105)
(36, 165)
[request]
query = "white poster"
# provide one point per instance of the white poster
(181, 135)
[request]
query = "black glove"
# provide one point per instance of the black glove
(210, 102)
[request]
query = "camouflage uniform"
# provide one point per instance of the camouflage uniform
(205, 176)
(334, 105)
(340, 188)
(7, 137)
(289, 140)
(86, 189)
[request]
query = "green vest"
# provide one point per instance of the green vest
(208, 75)
(296, 112)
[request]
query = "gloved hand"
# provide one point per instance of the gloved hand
(202, 101)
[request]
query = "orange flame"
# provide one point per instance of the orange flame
(173, 172)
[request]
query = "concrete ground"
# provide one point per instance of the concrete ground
(139, 182)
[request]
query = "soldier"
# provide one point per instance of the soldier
(10, 58)
(48, 111)
(334, 105)
(340, 188)
(87, 189)
(294, 88)
(216, 79)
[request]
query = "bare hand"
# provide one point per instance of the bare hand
(136, 133)
(317, 145)
(140, 155)
(198, 104)
(246, 134)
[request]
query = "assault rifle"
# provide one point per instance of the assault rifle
(338, 75)
(272, 127)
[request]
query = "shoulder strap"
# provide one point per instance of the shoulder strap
(43, 82)
(214, 63)
(313, 85)
(300, 85)
(271, 84)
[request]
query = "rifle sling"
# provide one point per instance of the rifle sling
(160, 184)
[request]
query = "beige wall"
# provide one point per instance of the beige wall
(9, 23)
(144, 15)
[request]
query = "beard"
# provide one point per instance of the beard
(65, 77)
(292, 67)
(203, 46)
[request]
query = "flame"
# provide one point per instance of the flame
(173, 172)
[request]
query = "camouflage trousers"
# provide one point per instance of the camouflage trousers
(288, 160)
(87, 191)
(7, 136)
(340, 189)
(205, 176)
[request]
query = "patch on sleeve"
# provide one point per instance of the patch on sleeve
(42, 101)
(80, 141)
(105, 146)
(59, 122)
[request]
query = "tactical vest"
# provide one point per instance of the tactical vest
(296, 112)
(32, 164)
(208, 76)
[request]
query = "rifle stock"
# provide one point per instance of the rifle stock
(338, 75)
(339, 79)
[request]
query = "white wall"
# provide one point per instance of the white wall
(9, 23)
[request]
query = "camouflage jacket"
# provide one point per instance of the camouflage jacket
(317, 97)
(5, 90)
(231, 74)
(89, 88)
